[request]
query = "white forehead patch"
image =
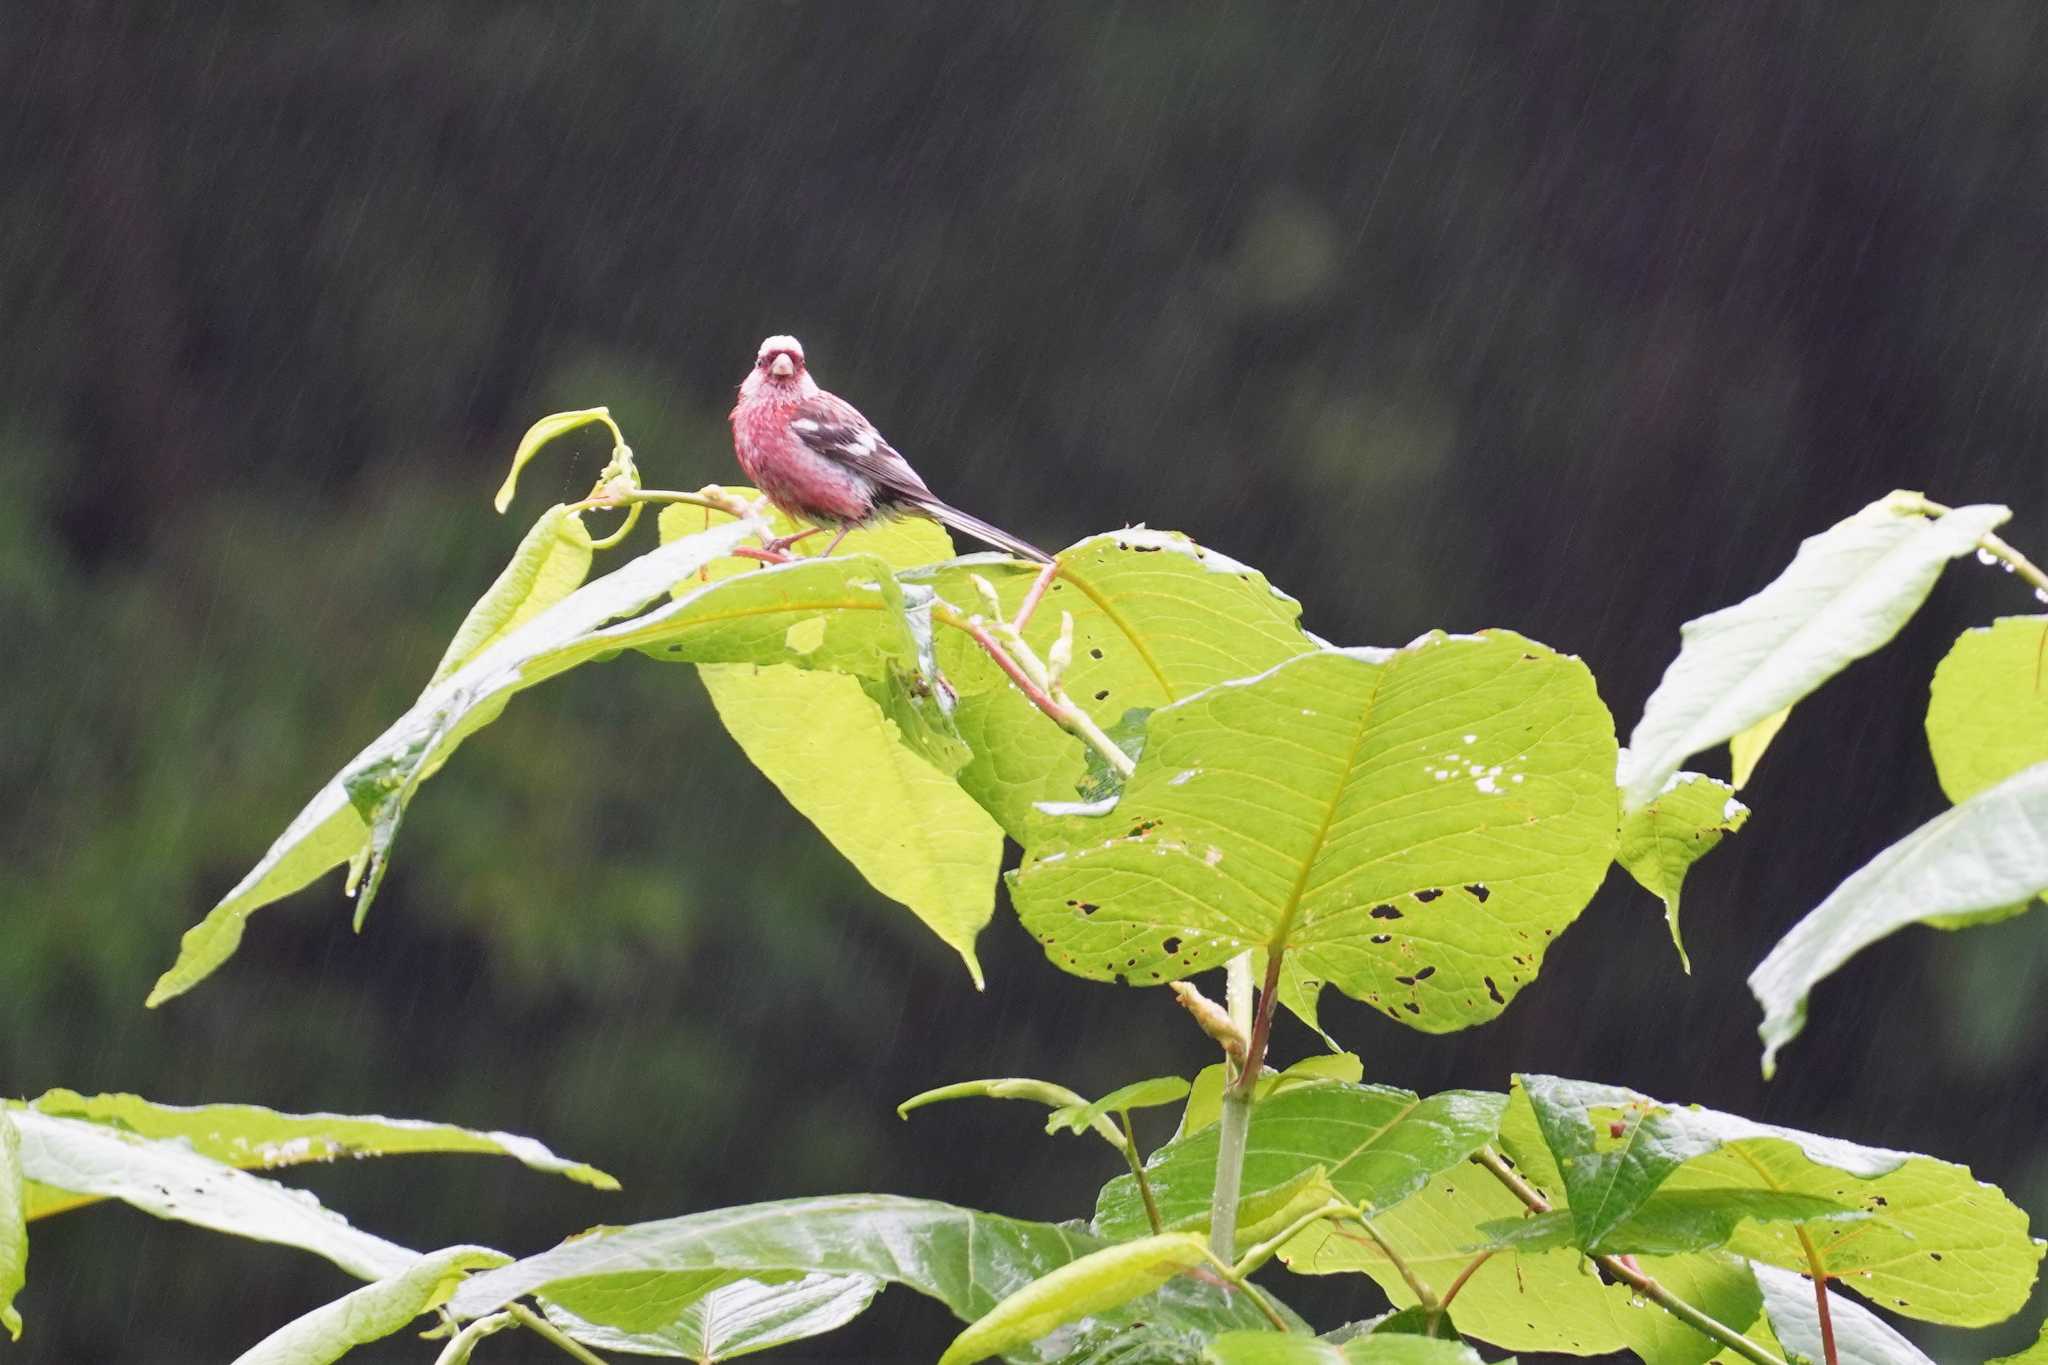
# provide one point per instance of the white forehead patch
(781, 343)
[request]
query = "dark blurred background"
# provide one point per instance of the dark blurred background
(1570, 318)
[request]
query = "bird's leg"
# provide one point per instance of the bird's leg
(781, 544)
(835, 542)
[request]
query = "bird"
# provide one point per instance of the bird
(819, 460)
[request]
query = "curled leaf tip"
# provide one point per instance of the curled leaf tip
(545, 430)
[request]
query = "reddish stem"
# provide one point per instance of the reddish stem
(1031, 598)
(1820, 1298)
(1003, 660)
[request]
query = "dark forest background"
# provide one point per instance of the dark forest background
(1567, 317)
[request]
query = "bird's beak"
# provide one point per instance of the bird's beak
(782, 367)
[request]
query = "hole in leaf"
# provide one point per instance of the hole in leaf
(1425, 974)
(1170, 947)
(1094, 653)
(1479, 892)
(1428, 894)
(1411, 1007)
(1385, 912)
(1494, 991)
(1103, 695)
(1405, 980)
(1382, 938)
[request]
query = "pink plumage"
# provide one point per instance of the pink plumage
(819, 460)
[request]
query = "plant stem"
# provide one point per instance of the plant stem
(1820, 1296)
(1237, 993)
(463, 1342)
(1997, 548)
(1424, 1295)
(547, 1331)
(1234, 1125)
(1138, 1173)
(1266, 1250)
(1054, 704)
(1444, 1304)
(1628, 1274)
(1232, 1275)
(1033, 597)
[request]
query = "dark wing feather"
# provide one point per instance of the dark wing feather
(834, 429)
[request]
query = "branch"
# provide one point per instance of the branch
(548, 1332)
(1628, 1274)
(1997, 548)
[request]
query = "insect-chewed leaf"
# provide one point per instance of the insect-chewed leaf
(373, 1312)
(1987, 715)
(1937, 1244)
(1156, 618)
(1861, 1337)
(1846, 592)
(706, 1315)
(1376, 1145)
(1411, 826)
(967, 1260)
(1661, 841)
(1983, 860)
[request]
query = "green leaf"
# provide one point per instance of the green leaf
(907, 827)
(13, 1226)
(706, 1315)
(1096, 1282)
(248, 1135)
(550, 563)
(1397, 1348)
(1661, 841)
(1378, 1145)
(539, 434)
(373, 1312)
(967, 1260)
(1001, 1088)
(1846, 593)
(169, 1180)
(1441, 813)
(1987, 716)
(1156, 618)
(1205, 1095)
(2037, 1354)
(1985, 858)
(1675, 1222)
(1861, 1337)
(1746, 749)
(1147, 1094)
(1937, 1244)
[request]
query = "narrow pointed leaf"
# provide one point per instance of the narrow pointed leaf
(1661, 841)
(1746, 750)
(1096, 1282)
(169, 1180)
(1987, 716)
(13, 1226)
(1845, 594)
(1443, 811)
(1984, 858)
(1147, 1094)
(538, 435)
(706, 1316)
(1156, 618)
(550, 563)
(251, 1136)
(1935, 1243)
(1001, 1088)
(967, 1260)
(1861, 1337)
(373, 1312)
(1377, 1145)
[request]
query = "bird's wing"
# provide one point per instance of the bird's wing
(832, 428)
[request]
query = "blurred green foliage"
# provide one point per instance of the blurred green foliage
(1568, 319)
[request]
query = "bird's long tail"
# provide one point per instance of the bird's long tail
(949, 515)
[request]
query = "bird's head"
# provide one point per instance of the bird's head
(779, 369)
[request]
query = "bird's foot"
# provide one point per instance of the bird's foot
(781, 544)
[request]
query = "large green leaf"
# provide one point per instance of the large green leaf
(168, 1179)
(967, 1260)
(1937, 1244)
(1396, 1348)
(1095, 1283)
(1846, 593)
(1661, 841)
(1411, 826)
(1987, 714)
(248, 1135)
(1675, 1222)
(13, 1226)
(1982, 859)
(550, 563)
(1861, 1337)
(706, 1315)
(1156, 618)
(908, 827)
(1376, 1146)
(373, 1312)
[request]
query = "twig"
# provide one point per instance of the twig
(1632, 1276)
(1820, 1296)
(463, 1342)
(1999, 549)
(1031, 599)
(1444, 1304)
(547, 1331)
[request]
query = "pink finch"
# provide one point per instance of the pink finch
(820, 461)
